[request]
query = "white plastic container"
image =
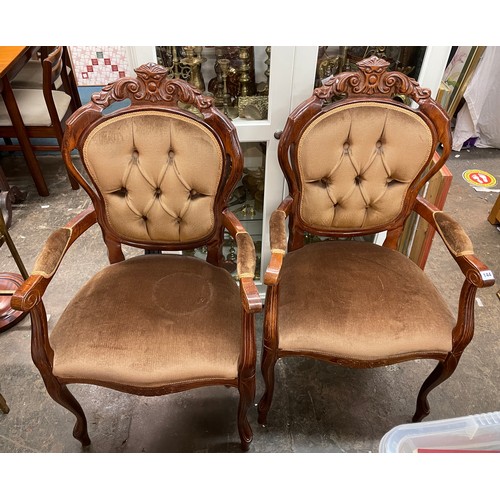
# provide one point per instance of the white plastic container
(472, 433)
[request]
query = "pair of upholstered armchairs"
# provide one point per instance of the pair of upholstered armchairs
(162, 170)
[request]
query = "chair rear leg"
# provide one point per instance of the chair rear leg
(441, 372)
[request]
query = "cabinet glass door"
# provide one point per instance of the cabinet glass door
(256, 87)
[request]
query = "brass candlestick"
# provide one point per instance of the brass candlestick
(219, 83)
(246, 85)
(263, 87)
(194, 64)
(175, 63)
(227, 107)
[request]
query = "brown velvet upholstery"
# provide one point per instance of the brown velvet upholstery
(158, 174)
(53, 251)
(453, 235)
(376, 304)
(245, 260)
(356, 161)
(167, 318)
(159, 177)
(277, 231)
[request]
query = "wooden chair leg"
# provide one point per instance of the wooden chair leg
(61, 394)
(269, 357)
(267, 368)
(247, 396)
(441, 372)
(57, 390)
(4, 408)
(246, 383)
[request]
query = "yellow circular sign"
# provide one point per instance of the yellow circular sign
(479, 178)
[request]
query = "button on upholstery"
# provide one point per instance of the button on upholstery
(325, 181)
(171, 154)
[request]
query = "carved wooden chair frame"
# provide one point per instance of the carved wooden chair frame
(371, 83)
(151, 90)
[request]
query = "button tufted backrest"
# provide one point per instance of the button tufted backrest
(158, 174)
(356, 162)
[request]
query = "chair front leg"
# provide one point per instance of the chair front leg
(41, 354)
(443, 370)
(246, 382)
(269, 352)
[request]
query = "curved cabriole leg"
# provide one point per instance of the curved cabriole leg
(61, 394)
(269, 356)
(443, 370)
(41, 352)
(462, 335)
(246, 383)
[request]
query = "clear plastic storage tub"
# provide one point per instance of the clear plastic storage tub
(473, 433)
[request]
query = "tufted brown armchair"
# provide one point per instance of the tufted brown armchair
(355, 158)
(161, 171)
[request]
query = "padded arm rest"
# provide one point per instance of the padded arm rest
(278, 240)
(49, 259)
(454, 237)
(457, 242)
(245, 262)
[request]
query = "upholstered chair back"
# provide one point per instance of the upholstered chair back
(161, 169)
(357, 153)
(158, 174)
(356, 162)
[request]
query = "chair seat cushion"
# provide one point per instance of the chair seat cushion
(359, 301)
(151, 321)
(34, 112)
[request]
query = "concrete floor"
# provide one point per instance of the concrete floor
(317, 407)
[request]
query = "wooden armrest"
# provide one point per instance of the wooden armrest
(277, 234)
(458, 243)
(250, 294)
(245, 262)
(49, 259)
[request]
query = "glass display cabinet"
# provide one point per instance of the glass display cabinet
(257, 87)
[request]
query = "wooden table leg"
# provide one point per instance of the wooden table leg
(22, 136)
